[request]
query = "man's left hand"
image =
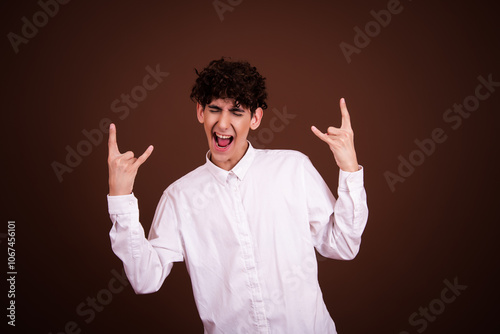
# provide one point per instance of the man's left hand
(341, 141)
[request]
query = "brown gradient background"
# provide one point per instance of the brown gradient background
(441, 223)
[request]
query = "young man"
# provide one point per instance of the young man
(247, 221)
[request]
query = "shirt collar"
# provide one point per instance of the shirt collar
(239, 170)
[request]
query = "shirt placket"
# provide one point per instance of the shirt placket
(248, 254)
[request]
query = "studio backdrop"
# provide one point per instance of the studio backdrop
(422, 85)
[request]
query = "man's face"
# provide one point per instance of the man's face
(227, 127)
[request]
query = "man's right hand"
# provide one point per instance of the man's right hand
(122, 167)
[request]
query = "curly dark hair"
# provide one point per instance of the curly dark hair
(236, 80)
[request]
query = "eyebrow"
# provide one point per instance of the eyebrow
(213, 106)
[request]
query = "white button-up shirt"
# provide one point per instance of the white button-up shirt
(247, 237)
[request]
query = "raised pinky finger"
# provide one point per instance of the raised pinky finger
(144, 156)
(319, 134)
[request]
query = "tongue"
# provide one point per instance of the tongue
(223, 142)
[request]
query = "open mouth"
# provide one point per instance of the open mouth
(222, 142)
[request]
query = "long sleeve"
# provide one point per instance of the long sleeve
(336, 224)
(147, 262)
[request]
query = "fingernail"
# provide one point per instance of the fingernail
(342, 100)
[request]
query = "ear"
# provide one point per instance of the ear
(257, 117)
(200, 113)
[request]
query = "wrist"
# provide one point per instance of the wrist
(350, 168)
(118, 192)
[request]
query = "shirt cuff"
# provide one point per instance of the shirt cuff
(349, 181)
(123, 204)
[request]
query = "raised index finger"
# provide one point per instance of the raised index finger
(346, 119)
(112, 145)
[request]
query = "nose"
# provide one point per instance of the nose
(224, 121)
